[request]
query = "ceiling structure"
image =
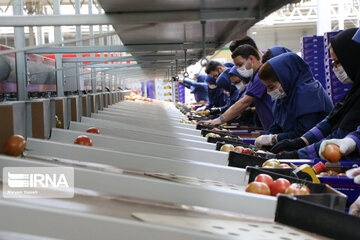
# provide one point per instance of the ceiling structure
(183, 24)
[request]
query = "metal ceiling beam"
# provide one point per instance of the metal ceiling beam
(127, 58)
(119, 48)
(128, 18)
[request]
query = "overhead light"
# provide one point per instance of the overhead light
(254, 33)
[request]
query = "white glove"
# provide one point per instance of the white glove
(266, 140)
(354, 173)
(355, 207)
(346, 145)
(201, 108)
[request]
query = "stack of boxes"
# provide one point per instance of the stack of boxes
(181, 93)
(315, 52)
(312, 51)
(334, 87)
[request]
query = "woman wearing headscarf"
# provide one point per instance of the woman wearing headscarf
(300, 100)
(344, 118)
(223, 82)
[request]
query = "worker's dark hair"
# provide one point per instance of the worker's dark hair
(246, 40)
(267, 56)
(267, 73)
(245, 51)
(212, 66)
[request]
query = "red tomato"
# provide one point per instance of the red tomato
(246, 151)
(284, 165)
(14, 145)
(297, 189)
(259, 188)
(238, 149)
(265, 178)
(93, 130)
(83, 140)
(279, 186)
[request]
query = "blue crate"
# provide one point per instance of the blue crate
(316, 64)
(311, 39)
(313, 51)
(310, 58)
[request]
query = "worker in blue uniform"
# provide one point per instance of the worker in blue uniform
(198, 87)
(217, 97)
(344, 118)
(247, 60)
(223, 82)
(300, 100)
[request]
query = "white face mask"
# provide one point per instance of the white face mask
(240, 86)
(212, 86)
(246, 73)
(342, 76)
(277, 94)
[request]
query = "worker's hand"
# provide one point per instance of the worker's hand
(346, 145)
(201, 108)
(355, 207)
(288, 145)
(213, 122)
(265, 140)
(214, 111)
(288, 155)
(354, 173)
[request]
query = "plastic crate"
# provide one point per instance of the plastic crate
(226, 140)
(206, 131)
(235, 144)
(315, 218)
(343, 184)
(320, 193)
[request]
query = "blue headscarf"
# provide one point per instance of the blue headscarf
(224, 82)
(277, 50)
(304, 94)
(210, 80)
(201, 77)
(356, 36)
(229, 64)
(233, 71)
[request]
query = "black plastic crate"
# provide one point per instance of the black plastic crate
(319, 192)
(240, 160)
(206, 131)
(315, 218)
(202, 126)
(222, 139)
(242, 144)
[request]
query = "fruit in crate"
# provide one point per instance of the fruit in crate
(227, 137)
(212, 135)
(332, 153)
(297, 189)
(271, 163)
(265, 178)
(227, 148)
(239, 149)
(284, 165)
(249, 151)
(279, 186)
(14, 145)
(259, 188)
